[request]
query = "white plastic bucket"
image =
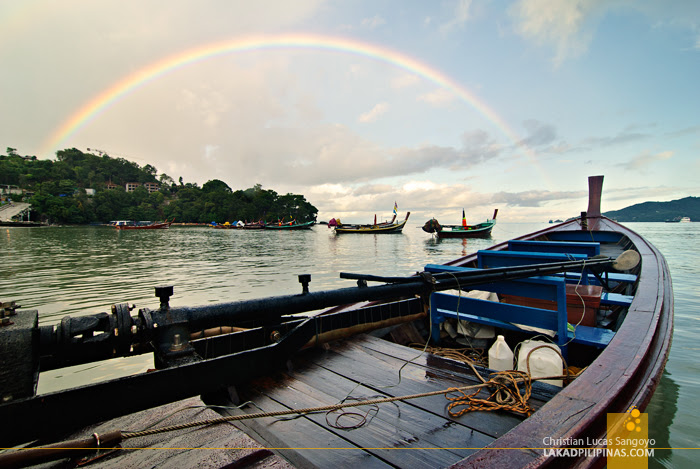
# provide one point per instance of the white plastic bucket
(543, 361)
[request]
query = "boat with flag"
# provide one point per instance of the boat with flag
(480, 230)
(330, 377)
(391, 226)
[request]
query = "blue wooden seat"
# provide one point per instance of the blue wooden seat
(589, 249)
(509, 316)
(487, 259)
(613, 278)
(585, 236)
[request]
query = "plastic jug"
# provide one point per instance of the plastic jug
(543, 361)
(500, 355)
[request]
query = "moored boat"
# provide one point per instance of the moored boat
(480, 230)
(133, 225)
(619, 337)
(256, 225)
(292, 225)
(391, 226)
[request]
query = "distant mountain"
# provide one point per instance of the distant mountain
(659, 211)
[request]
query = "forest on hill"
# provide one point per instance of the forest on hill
(61, 191)
(658, 211)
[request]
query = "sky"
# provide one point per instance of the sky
(437, 105)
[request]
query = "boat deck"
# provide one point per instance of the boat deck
(413, 433)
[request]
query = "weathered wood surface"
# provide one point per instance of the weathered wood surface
(412, 433)
(219, 445)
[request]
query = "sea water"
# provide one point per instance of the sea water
(83, 270)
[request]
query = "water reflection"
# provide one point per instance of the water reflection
(662, 411)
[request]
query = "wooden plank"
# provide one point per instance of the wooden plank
(404, 415)
(359, 364)
(393, 427)
(301, 441)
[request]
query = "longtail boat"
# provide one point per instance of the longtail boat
(391, 226)
(340, 385)
(131, 225)
(293, 225)
(256, 225)
(480, 230)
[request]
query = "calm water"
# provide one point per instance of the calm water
(83, 270)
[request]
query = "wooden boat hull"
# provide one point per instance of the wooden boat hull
(155, 226)
(625, 374)
(264, 362)
(482, 230)
(297, 226)
(376, 229)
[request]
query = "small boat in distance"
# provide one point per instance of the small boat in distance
(140, 225)
(685, 220)
(386, 227)
(481, 230)
(290, 225)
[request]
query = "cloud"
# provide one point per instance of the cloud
(439, 98)
(535, 198)
(405, 80)
(374, 113)
(626, 136)
(461, 16)
(539, 133)
(567, 25)
(643, 161)
(373, 22)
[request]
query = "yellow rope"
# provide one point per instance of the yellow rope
(507, 395)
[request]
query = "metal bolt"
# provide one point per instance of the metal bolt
(304, 279)
(164, 292)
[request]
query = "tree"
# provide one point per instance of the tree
(216, 185)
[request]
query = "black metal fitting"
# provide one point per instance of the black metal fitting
(164, 292)
(304, 279)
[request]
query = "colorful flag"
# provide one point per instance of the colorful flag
(396, 208)
(464, 219)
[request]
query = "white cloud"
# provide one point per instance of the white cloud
(643, 161)
(566, 24)
(405, 80)
(373, 22)
(461, 16)
(374, 113)
(439, 98)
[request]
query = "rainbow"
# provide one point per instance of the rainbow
(155, 70)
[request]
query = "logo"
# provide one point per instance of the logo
(628, 440)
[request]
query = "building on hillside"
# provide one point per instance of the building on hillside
(8, 189)
(151, 187)
(131, 186)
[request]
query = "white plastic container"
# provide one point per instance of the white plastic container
(500, 355)
(543, 361)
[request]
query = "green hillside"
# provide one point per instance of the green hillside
(658, 211)
(79, 188)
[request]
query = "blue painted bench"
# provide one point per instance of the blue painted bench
(508, 316)
(585, 236)
(487, 259)
(587, 248)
